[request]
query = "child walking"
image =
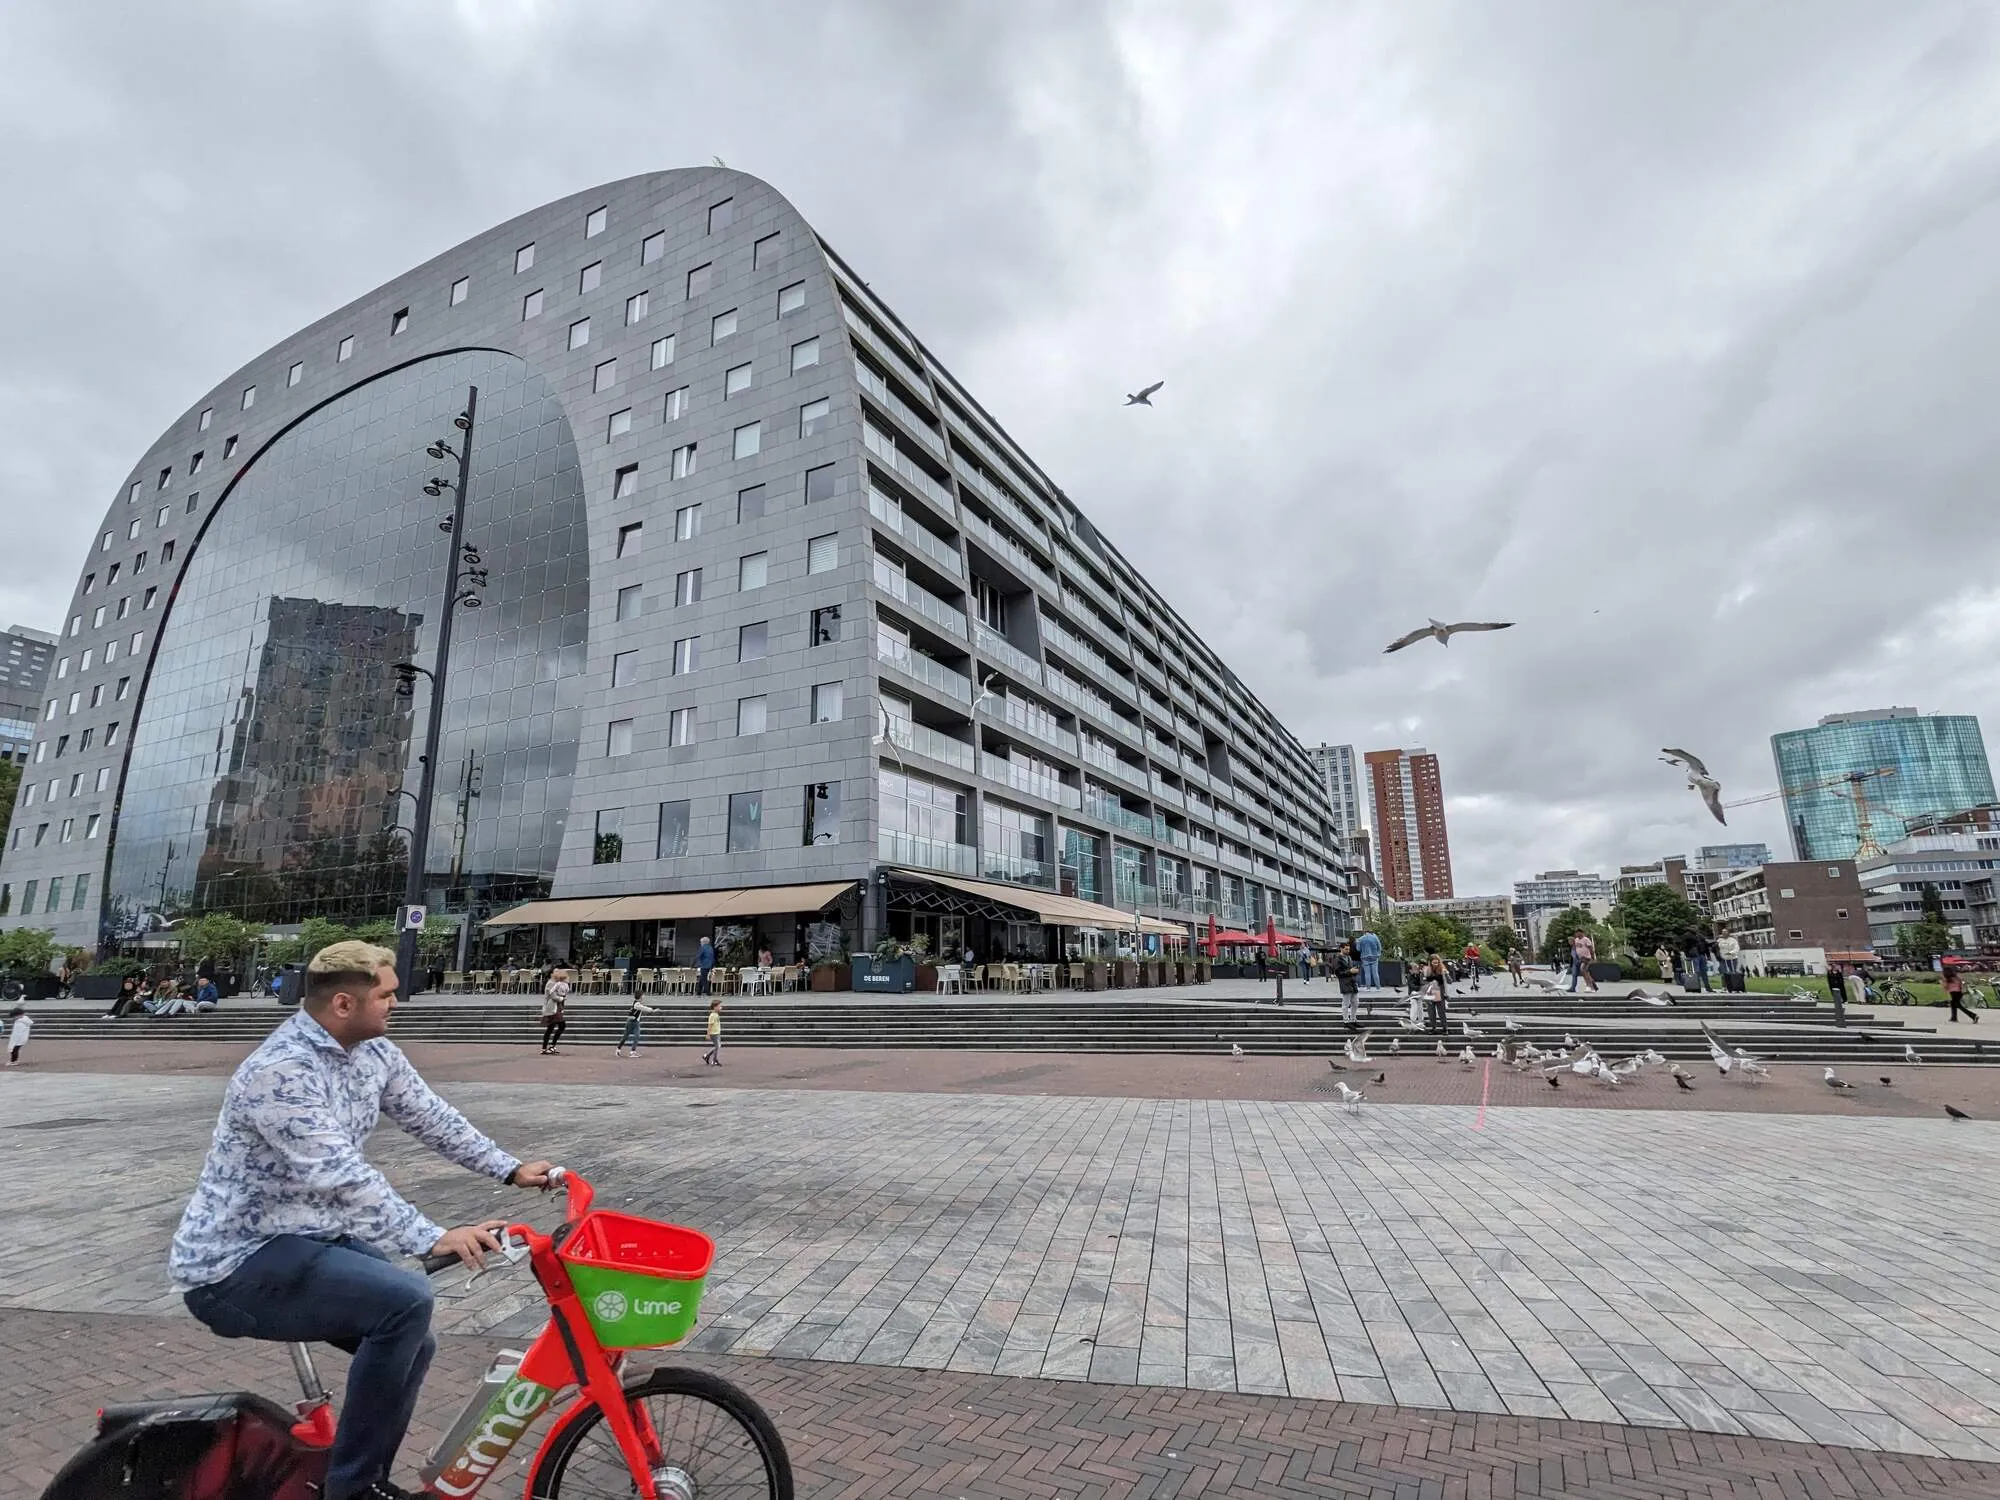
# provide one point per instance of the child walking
(17, 1035)
(714, 1054)
(631, 1037)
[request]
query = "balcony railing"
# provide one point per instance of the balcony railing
(1119, 816)
(919, 599)
(998, 498)
(891, 355)
(926, 854)
(1194, 769)
(1017, 870)
(1074, 569)
(927, 670)
(883, 446)
(921, 538)
(1082, 695)
(1001, 649)
(1021, 779)
(1167, 794)
(985, 450)
(1234, 860)
(1166, 751)
(1017, 715)
(921, 739)
(914, 420)
(994, 542)
(1081, 651)
(1136, 893)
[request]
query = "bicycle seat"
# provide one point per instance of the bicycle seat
(225, 1444)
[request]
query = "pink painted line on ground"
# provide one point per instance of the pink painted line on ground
(1485, 1088)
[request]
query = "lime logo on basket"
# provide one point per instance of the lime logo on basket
(610, 1306)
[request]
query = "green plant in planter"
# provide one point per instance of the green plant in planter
(888, 950)
(920, 946)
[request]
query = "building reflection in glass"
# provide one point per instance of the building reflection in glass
(271, 755)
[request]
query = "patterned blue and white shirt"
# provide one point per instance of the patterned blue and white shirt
(286, 1157)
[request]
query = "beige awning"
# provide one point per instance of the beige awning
(574, 909)
(674, 906)
(1063, 911)
(766, 900)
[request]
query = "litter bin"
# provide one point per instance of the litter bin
(291, 984)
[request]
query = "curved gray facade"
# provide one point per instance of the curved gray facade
(825, 622)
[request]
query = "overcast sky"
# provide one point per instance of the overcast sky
(1668, 330)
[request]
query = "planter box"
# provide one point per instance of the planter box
(1096, 976)
(927, 978)
(829, 978)
(875, 976)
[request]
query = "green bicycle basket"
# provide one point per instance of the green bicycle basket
(639, 1280)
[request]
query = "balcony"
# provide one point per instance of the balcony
(1164, 751)
(1048, 788)
(1081, 652)
(1016, 870)
(926, 854)
(921, 538)
(917, 598)
(921, 739)
(1008, 551)
(1233, 860)
(1018, 716)
(993, 460)
(1119, 816)
(932, 673)
(1164, 793)
(1136, 893)
(891, 354)
(1002, 650)
(883, 446)
(913, 420)
(1082, 695)
(1074, 569)
(1193, 769)
(998, 498)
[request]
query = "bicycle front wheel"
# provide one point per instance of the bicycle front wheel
(715, 1443)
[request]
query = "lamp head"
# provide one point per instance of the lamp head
(463, 421)
(441, 449)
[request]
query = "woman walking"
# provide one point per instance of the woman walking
(713, 1057)
(555, 997)
(631, 1036)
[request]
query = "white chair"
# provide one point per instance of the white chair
(951, 979)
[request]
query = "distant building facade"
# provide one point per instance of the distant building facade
(1793, 904)
(1939, 763)
(1339, 774)
(24, 672)
(1535, 901)
(1481, 913)
(1958, 864)
(1731, 856)
(1412, 848)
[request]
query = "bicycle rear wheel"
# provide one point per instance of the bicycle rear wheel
(716, 1443)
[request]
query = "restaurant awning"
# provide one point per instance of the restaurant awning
(674, 906)
(574, 909)
(1063, 911)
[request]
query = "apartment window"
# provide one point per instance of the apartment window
(104, 542)
(750, 715)
(67, 834)
(618, 740)
(103, 784)
(194, 463)
(229, 447)
(96, 820)
(619, 424)
(84, 739)
(523, 258)
(207, 416)
(753, 572)
(132, 532)
(62, 746)
(822, 814)
(827, 698)
(1786, 893)
(151, 595)
(628, 602)
(814, 415)
(624, 668)
(28, 892)
(132, 495)
(721, 326)
(684, 460)
(673, 829)
(608, 846)
(746, 821)
(96, 697)
(805, 354)
(124, 684)
(687, 587)
(680, 727)
(399, 320)
(55, 894)
(676, 405)
(590, 278)
(604, 376)
(594, 222)
(687, 523)
(735, 379)
(249, 397)
(763, 252)
(138, 639)
(750, 504)
(721, 215)
(460, 290)
(82, 889)
(625, 484)
(753, 642)
(75, 625)
(1833, 872)
(825, 625)
(295, 374)
(1841, 913)
(1796, 934)
(166, 514)
(166, 478)
(89, 655)
(125, 605)
(687, 655)
(791, 298)
(75, 701)
(62, 668)
(344, 350)
(748, 440)
(819, 484)
(653, 247)
(822, 553)
(54, 703)
(111, 730)
(699, 280)
(663, 352)
(89, 582)
(630, 539)
(531, 305)
(579, 333)
(166, 551)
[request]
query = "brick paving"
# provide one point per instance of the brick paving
(860, 1432)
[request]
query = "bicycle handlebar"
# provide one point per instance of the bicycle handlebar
(576, 1188)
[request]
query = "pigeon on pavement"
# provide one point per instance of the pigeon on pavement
(1380, 1078)
(1144, 397)
(1442, 633)
(1956, 1114)
(1681, 1081)
(1553, 1080)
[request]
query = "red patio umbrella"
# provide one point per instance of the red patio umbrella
(1211, 944)
(1271, 935)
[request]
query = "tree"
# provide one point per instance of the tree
(1564, 925)
(216, 936)
(1652, 915)
(1424, 933)
(1930, 935)
(27, 952)
(1502, 940)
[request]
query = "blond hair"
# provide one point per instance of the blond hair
(350, 967)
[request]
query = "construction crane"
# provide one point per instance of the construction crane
(1856, 783)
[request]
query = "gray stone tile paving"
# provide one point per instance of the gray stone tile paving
(1785, 1276)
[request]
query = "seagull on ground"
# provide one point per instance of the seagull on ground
(1352, 1098)
(1569, 1042)
(1910, 1054)
(1651, 1058)
(1698, 779)
(1645, 999)
(1468, 1028)
(1235, 1049)
(1441, 1053)
(1835, 1081)
(1144, 397)
(1395, 1046)
(1357, 1048)
(1442, 633)
(1465, 1058)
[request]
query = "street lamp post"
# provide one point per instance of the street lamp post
(454, 596)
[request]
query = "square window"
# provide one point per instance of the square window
(814, 415)
(676, 405)
(680, 727)
(684, 460)
(721, 326)
(630, 539)
(819, 484)
(763, 252)
(735, 379)
(295, 374)
(687, 587)
(826, 702)
(721, 215)
(619, 424)
(1841, 912)
(399, 320)
(805, 354)
(637, 306)
(207, 416)
(590, 278)
(750, 715)
(652, 248)
(624, 668)
(674, 827)
(344, 350)
(625, 484)
(229, 447)
(594, 222)
(531, 305)
(687, 523)
(194, 464)
(608, 846)
(663, 352)
(96, 618)
(746, 821)
(750, 504)
(523, 258)
(749, 439)
(604, 376)
(460, 290)
(825, 625)
(579, 333)
(700, 279)
(822, 554)
(753, 572)
(618, 740)
(628, 602)
(687, 655)
(132, 495)
(753, 642)
(791, 298)
(249, 398)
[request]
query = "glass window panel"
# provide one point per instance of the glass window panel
(753, 571)
(750, 504)
(628, 602)
(624, 669)
(618, 739)
(764, 252)
(814, 415)
(822, 554)
(753, 641)
(791, 298)
(750, 715)
(722, 326)
(652, 248)
(608, 845)
(673, 829)
(680, 727)
(748, 440)
(826, 702)
(822, 813)
(663, 352)
(631, 538)
(746, 821)
(805, 355)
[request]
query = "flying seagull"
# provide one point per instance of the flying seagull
(1357, 1048)
(1835, 1081)
(1698, 779)
(1144, 397)
(1442, 633)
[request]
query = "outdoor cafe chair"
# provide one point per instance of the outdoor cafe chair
(951, 979)
(454, 979)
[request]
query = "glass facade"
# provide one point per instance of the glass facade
(268, 768)
(1940, 766)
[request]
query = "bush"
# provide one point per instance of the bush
(118, 964)
(1643, 968)
(28, 952)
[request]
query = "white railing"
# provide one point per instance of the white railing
(1085, 654)
(1033, 571)
(880, 344)
(915, 420)
(1048, 788)
(994, 460)
(926, 854)
(921, 739)
(1082, 695)
(1001, 649)
(1015, 869)
(919, 599)
(1000, 500)
(883, 446)
(926, 670)
(890, 513)
(1018, 715)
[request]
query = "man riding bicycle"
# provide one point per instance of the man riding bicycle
(289, 1232)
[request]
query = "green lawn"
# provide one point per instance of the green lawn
(1925, 988)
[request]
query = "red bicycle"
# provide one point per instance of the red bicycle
(614, 1283)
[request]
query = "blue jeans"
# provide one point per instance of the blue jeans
(344, 1293)
(1701, 973)
(1371, 973)
(701, 981)
(631, 1036)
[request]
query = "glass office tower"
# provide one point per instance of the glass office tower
(1938, 764)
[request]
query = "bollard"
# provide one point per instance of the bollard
(1281, 988)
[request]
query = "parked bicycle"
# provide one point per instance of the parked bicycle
(614, 1283)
